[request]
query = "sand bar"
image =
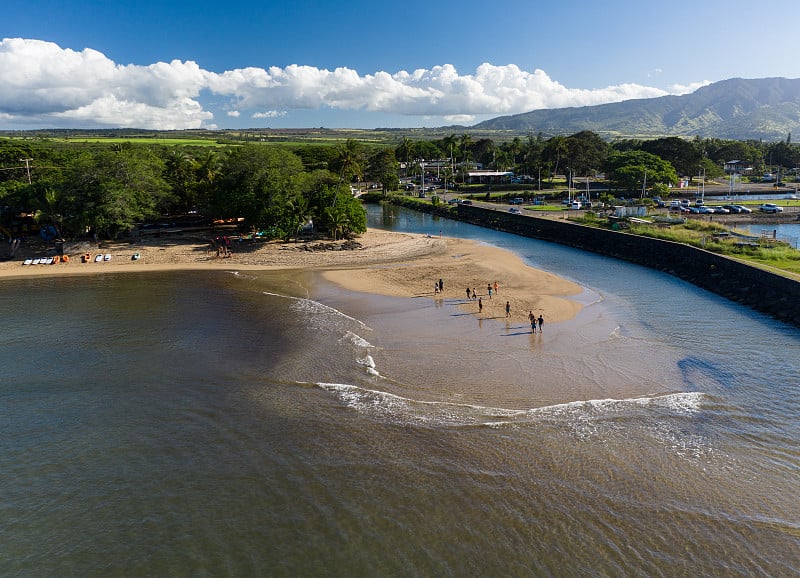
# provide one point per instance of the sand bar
(384, 262)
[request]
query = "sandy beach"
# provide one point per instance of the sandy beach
(380, 262)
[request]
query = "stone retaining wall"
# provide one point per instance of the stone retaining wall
(756, 288)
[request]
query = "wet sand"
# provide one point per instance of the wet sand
(383, 262)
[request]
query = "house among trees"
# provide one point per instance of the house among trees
(738, 167)
(489, 177)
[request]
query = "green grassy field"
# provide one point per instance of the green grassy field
(195, 142)
(711, 237)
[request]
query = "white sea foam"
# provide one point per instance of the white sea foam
(357, 340)
(306, 305)
(369, 364)
(679, 403)
(397, 409)
(408, 411)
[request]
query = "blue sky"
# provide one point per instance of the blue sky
(357, 64)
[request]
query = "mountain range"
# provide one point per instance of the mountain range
(737, 109)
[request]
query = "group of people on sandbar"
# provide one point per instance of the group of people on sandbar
(472, 294)
(493, 289)
(536, 321)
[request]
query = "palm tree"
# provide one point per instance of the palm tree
(300, 209)
(350, 159)
(515, 148)
(556, 148)
(337, 220)
(404, 151)
(49, 209)
(466, 152)
(207, 168)
(181, 177)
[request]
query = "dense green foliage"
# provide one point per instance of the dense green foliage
(109, 188)
(585, 154)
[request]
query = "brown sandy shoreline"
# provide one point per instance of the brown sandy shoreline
(386, 263)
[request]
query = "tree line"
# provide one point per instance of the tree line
(109, 188)
(585, 154)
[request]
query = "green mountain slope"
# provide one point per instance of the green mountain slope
(740, 109)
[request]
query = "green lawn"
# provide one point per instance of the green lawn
(770, 254)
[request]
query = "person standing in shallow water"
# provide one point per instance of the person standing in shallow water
(468, 294)
(508, 309)
(480, 305)
(532, 317)
(541, 322)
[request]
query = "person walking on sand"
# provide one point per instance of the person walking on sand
(508, 309)
(541, 322)
(474, 294)
(469, 296)
(532, 317)
(441, 285)
(435, 288)
(495, 287)
(489, 290)
(480, 305)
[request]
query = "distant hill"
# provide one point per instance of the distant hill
(738, 109)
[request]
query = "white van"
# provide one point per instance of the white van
(575, 205)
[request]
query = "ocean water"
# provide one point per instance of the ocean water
(229, 424)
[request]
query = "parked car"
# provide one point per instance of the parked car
(721, 210)
(515, 211)
(732, 208)
(466, 202)
(516, 201)
(454, 201)
(743, 209)
(770, 208)
(703, 210)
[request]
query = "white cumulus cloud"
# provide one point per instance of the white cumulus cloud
(44, 84)
(269, 114)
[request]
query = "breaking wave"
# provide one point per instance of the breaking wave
(401, 410)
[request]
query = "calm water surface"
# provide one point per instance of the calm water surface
(213, 423)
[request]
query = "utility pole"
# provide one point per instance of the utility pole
(27, 167)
